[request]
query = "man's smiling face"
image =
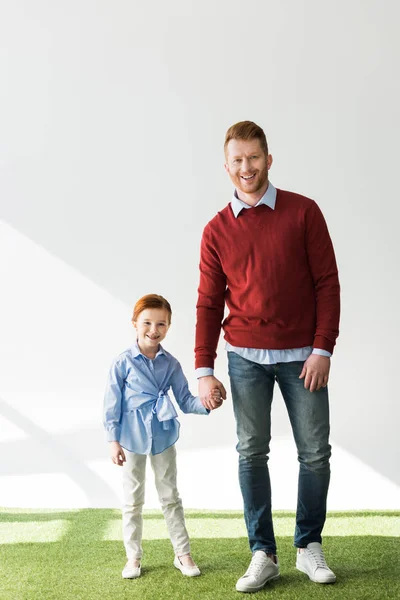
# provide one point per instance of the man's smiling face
(247, 164)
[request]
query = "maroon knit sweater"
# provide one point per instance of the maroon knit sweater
(277, 273)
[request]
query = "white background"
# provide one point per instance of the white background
(112, 121)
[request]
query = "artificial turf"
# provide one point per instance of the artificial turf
(78, 555)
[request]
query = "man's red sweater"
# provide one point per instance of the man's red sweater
(277, 273)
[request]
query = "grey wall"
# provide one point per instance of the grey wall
(112, 123)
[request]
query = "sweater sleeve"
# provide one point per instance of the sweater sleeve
(210, 303)
(322, 262)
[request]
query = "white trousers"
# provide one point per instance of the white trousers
(133, 478)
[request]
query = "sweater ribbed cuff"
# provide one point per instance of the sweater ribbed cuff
(323, 343)
(204, 361)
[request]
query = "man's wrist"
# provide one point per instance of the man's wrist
(204, 372)
(321, 352)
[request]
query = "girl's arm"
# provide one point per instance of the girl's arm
(186, 401)
(113, 401)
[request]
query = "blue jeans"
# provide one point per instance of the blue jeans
(252, 389)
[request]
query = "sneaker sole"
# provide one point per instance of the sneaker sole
(312, 578)
(257, 588)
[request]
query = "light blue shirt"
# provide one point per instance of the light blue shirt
(264, 357)
(138, 412)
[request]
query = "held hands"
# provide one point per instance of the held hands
(117, 454)
(211, 391)
(214, 397)
(316, 372)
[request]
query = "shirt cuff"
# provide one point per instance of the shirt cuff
(113, 434)
(321, 352)
(204, 372)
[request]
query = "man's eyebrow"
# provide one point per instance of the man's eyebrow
(241, 156)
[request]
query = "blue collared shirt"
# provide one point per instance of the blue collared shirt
(263, 356)
(138, 412)
(269, 199)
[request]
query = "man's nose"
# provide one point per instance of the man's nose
(245, 165)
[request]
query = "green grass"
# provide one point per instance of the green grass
(74, 555)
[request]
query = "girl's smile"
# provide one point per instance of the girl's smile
(151, 326)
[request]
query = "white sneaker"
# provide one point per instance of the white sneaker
(132, 569)
(185, 569)
(312, 562)
(261, 570)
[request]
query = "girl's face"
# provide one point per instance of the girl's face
(151, 326)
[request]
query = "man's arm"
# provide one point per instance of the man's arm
(322, 262)
(210, 303)
(210, 312)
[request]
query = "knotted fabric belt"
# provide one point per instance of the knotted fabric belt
(164, 410)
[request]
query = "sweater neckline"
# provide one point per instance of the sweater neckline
(254, 211)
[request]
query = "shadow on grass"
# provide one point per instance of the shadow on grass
(81, 565)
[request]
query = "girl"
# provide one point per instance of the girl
(141, 420)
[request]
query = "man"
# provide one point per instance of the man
(269, 256)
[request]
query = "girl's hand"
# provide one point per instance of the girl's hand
(215, 397)
(117, 454)
(207, 385)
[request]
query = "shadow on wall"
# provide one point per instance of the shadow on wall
(43, 452)
(117, 180)
(370, 437)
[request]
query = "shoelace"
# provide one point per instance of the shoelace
(318, 558)
(256, 566)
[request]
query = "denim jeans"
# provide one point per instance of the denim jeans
(252, 387)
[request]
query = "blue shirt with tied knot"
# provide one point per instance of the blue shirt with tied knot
(138, 412)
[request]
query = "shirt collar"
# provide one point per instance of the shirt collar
(269, 199)
(136, 351)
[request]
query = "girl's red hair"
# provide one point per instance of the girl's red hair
(151, 301)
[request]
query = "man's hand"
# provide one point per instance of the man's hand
(316, 372)
(207, 394)
(117, 454)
